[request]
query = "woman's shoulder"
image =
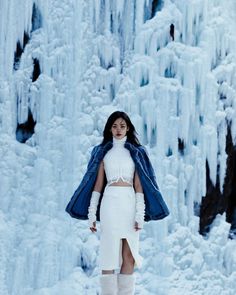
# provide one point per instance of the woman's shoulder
(101, 147)
(142, 149)
(136, 148)
(144, 152)
(94, 150)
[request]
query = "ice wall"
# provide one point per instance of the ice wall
(71, 63)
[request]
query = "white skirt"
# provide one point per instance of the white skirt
(117, 214)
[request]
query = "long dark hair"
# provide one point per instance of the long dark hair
(131, 133)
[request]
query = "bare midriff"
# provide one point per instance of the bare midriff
(120, 183)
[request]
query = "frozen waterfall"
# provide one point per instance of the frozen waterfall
(65, 65)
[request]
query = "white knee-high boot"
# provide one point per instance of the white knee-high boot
(108, 284)
(126, 284)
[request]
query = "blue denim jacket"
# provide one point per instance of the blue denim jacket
(155, 207)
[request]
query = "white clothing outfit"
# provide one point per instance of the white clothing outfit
(117, 210)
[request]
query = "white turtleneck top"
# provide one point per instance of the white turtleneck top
(118, 163)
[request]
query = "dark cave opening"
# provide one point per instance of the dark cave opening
(25, 130)
(19, 50)
(25, 39)
(151, 8)
(17, 56)
(156, 6)
(36, 18)
(36, 71)
(172, 32)
(181, 146)
(211, 205)
(230, 182)
(216, 202)
(144, 82)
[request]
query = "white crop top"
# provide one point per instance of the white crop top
(118, 163)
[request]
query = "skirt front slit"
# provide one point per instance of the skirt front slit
(117, 213)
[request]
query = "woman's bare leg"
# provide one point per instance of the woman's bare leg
(105, 272)
(127, 266)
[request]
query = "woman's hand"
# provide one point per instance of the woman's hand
(93, 228)
(136, 226)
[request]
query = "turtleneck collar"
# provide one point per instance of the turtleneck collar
(117, 141)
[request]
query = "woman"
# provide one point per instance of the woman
(119, 189)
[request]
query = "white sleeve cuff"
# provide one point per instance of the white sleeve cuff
(140, 209)
(93, 207)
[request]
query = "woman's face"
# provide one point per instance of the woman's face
(119, 128)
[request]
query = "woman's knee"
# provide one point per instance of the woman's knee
(128, 258)
(127, 254)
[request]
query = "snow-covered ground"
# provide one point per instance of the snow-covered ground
(96, 57)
